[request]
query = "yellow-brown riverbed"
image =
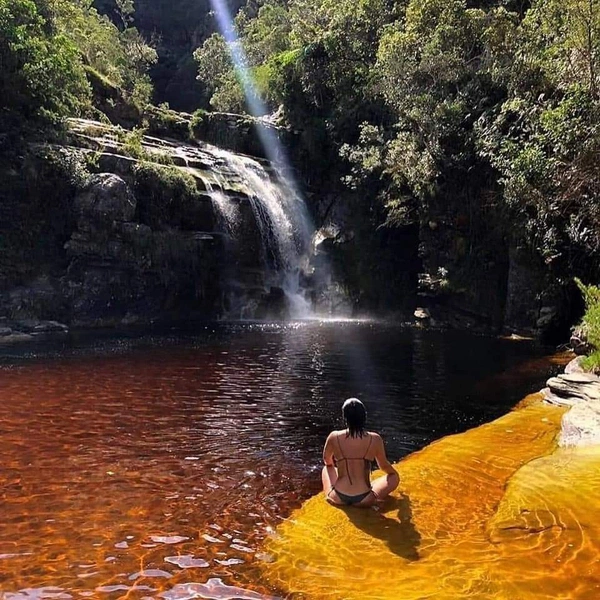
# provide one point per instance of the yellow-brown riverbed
(498, 512)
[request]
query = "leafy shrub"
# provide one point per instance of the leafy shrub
(591, 323)
(133, 145)
(198, 123)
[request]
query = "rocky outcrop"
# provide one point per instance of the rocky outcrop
(23, 330)
(238, 133)
(579, 342)
(123, 271)
(160, 229)
(133, 242)
(573, 388)
(581, 425)
(107, 198)
(581, 392)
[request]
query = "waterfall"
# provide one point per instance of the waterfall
(279, 217)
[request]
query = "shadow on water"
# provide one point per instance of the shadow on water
(399, 534)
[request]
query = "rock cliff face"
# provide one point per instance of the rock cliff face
(151, 229)
(134, 241)
(121, 270)
(111, 227)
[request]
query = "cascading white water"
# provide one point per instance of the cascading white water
(268, 234)
(227, 210)
(280, 216)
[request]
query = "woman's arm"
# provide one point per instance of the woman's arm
(328, 451)
(382, 462)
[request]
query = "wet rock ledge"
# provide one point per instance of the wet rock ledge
(23, 330)
(581, 392)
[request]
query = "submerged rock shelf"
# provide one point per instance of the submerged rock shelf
(498, 512)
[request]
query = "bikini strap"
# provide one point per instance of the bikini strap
(337, 437)
(368, 447)
(343, 457)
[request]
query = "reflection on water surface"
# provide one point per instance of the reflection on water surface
(156, 467)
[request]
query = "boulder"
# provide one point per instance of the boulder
(581, 425)
(422, 314)
(547, 316)
(569, 389)
(37, 326)
(50, 327)
(106, 198)
(575, 366)
(579, 342)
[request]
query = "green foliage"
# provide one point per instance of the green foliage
(197, 123)
(591, 322)
(48, 47)
(162, 121)
(41, 76)
(120, 55)
(323, 50)
(563, 38)
(216, 72)
(132, 144)
(516, 96)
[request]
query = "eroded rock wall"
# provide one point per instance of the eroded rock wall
(133, 242)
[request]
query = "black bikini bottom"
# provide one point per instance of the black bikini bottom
(346, 499)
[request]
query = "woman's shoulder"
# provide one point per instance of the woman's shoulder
(335, 433)
(374, 435)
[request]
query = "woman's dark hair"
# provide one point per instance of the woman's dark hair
(355, 416)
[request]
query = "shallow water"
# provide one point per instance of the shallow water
(156, 466)
(496, 513)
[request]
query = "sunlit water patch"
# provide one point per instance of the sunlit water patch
(156, 467)
(495, 513)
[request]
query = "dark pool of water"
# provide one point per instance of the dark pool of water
(132, 467)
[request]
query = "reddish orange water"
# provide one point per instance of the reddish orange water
(158, 471)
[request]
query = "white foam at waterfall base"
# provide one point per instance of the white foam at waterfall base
(299, 306)
(281, 217)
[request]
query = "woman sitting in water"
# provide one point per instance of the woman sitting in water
(348, 455)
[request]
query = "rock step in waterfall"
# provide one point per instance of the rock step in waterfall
(257, 211)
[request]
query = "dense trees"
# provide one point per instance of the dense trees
(415, 92)
(50, 48)
(40, 72)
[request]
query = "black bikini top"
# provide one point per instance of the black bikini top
(367, 462)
